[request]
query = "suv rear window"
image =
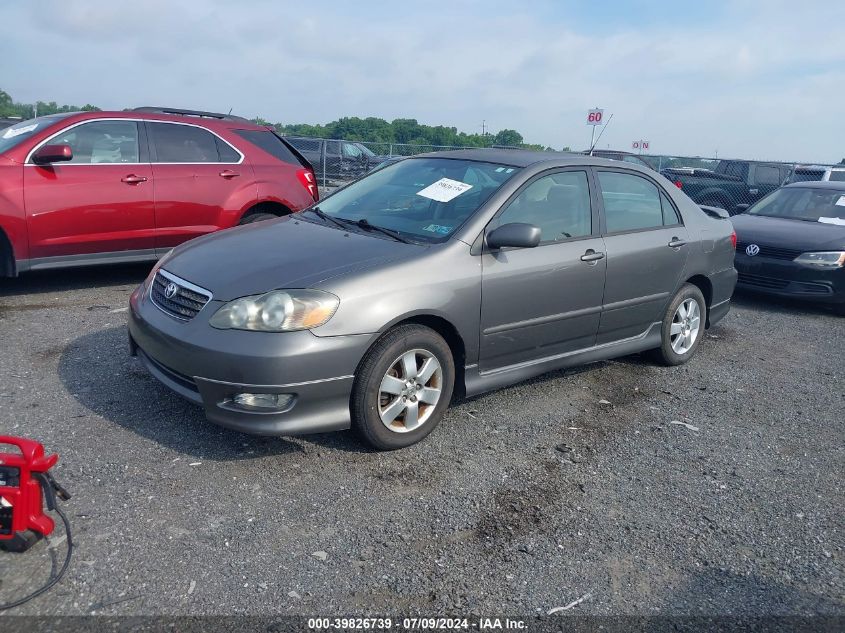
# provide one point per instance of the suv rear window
(270, 143)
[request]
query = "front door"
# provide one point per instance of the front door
(197, 176)
(646, 252)
(543, 301)
(99, 202)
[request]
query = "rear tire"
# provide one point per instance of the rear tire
(682, 328)
(255, 217)
(402, 387)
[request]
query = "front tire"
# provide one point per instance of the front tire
(402, 388)
(683, 327)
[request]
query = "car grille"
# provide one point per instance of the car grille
(185, 303)
(175, 376)
(772, 252)
(762, 282)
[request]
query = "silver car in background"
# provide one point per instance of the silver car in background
(450, 273)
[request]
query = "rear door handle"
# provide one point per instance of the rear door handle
(228, 173)
(677, 243)
(591, 256)
(132, 179)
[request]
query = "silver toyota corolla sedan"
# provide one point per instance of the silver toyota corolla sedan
(446, 274)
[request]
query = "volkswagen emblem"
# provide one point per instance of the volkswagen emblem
(752, 249)
(171, 289)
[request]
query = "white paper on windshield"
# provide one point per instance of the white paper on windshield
(13, 132)
(444, 190)
(839, 221)
(841, 201)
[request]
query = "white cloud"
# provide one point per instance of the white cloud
(760, 82)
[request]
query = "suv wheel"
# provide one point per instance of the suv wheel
(403, 387)
(683, 326)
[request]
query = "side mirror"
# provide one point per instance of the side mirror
(516, 234)
(52, 154)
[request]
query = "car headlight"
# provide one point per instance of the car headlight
(277, 311)
(822, 259)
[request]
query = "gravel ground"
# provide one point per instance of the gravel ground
(578, 482)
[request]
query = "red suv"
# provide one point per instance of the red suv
(97, 187)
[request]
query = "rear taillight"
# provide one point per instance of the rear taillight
(679, 184)
(307, 179)
(733, 239)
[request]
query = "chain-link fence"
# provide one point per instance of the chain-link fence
(732, 184)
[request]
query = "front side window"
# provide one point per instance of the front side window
(630, 202)
(351, 151)
(558, 204)
(176, 143)
(423, 199)
(799, 203)
(99, 142)
(837, 175)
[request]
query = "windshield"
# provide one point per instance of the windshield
(423, 199)
(365, 150)
(19, 132)
(811, 205)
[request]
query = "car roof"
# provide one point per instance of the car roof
(209, 122)
(521, 157)
(817, 184)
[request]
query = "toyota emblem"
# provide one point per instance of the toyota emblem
(171, 289)
(752, 249)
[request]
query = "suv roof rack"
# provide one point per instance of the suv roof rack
(197, 113)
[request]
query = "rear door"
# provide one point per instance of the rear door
(647, 247)
(542, 301)
(201, 182)
(100, 202)
(764, 180)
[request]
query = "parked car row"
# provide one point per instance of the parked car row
(436, 274)
(93, 187)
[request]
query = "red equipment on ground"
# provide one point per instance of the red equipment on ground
(24, 478)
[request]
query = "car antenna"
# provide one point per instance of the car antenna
(603, 128)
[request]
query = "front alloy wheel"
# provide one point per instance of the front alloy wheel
(402, 387)
(410, 391)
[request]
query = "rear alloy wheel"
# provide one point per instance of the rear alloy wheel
(256, 217)
(403, 387)
(683, 326)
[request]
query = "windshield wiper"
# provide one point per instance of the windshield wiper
(364, 224)
(325, 216)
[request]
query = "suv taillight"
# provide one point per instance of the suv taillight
(679, 184)
(306, 177)
(733, 239)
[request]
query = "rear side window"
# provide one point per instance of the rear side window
(838, 175)
(670, 214)
(175, 143)
(766, 175)
(630, 202)
(271, 144)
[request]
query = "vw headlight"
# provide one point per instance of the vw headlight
(822, 259)
(277, 311)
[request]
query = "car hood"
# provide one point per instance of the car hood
(285, 253)
(793, 234)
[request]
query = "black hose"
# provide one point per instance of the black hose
(53, 580)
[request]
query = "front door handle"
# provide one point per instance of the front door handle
(132, 179)
(228, 173)
(676, 242)
(591, 256)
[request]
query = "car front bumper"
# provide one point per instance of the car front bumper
(210, 367)
(785, 278)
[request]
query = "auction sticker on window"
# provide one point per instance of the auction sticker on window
(444, 190)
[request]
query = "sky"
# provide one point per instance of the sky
(731, 79)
